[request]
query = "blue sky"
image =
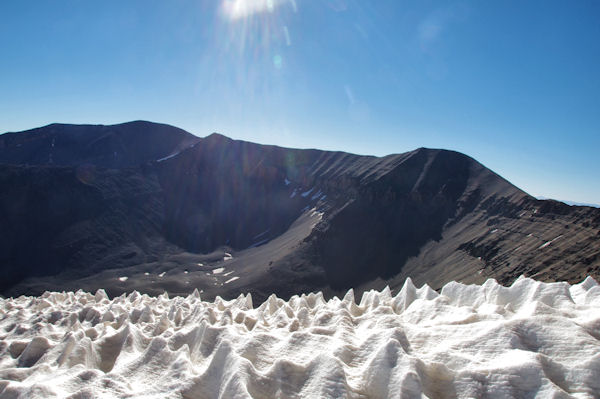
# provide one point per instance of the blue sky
(513, 84)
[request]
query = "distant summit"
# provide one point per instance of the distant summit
(150, 207)
(114, 146)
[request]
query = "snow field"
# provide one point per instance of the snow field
(529, 340)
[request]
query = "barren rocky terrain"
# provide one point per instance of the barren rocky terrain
(149, 207)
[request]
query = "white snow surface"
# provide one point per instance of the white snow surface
(529, 340)
(544, 245)
(169, 156)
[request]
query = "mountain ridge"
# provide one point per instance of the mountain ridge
(139, 199)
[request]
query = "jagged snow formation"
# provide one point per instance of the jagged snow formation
(529, 340)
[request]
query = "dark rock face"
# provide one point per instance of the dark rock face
(83, 206)
(392, 218)
(225, 192)
(116, 146)
(52, 219)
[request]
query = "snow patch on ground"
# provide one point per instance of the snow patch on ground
(231, 279)
(123, 278)
(307, 193)
(528, 340)
(544, 245)
(168, 157)
(218, 270)
(314, 212)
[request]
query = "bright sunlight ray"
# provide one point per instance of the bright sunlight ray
(237, 9)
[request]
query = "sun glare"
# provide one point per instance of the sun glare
(237, 9)
(256, 30)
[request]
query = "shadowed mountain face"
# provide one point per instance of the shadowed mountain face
(117, 146)
(151, 207)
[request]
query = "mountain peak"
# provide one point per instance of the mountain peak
(218, 137)
(111, 146)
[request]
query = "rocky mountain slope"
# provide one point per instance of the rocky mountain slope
(151, 207)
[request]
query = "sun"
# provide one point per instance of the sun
(238, 9)
(257, 29)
